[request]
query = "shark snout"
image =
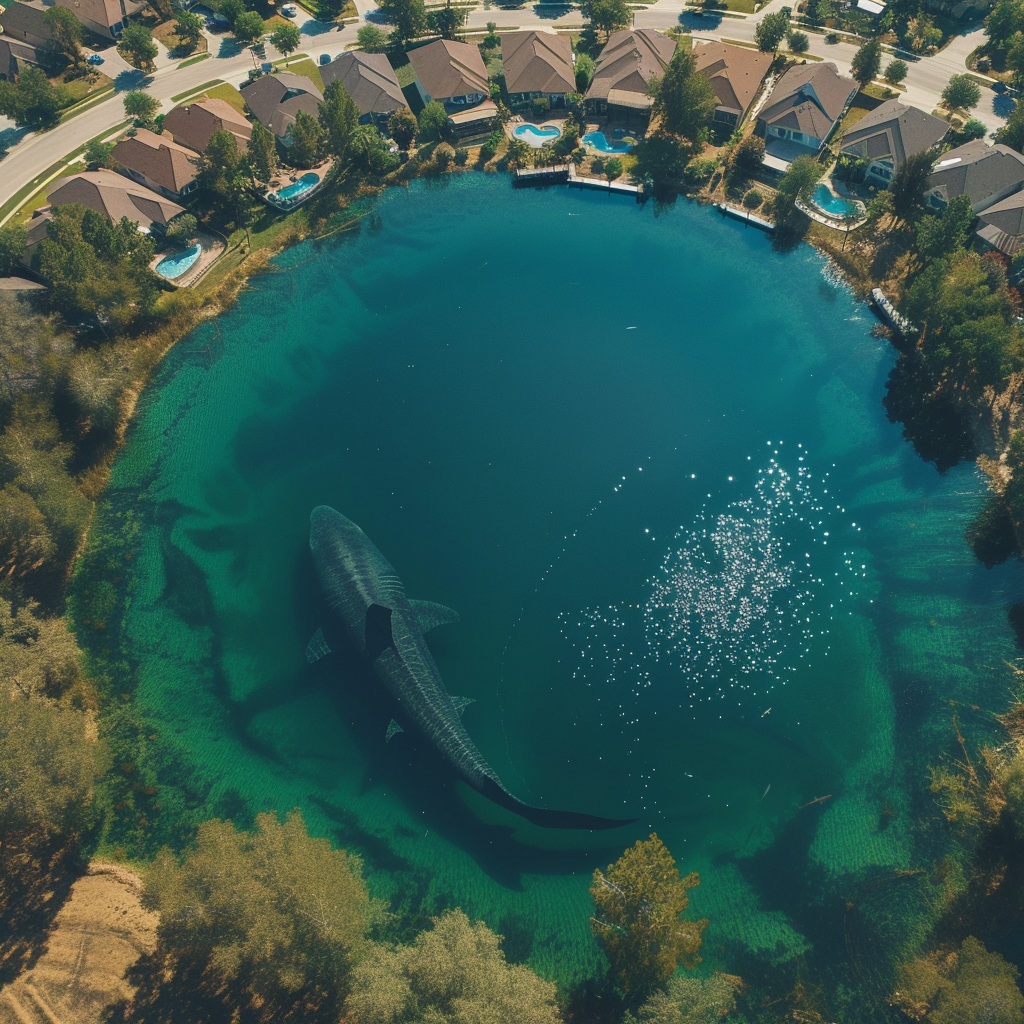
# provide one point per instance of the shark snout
(325, 521)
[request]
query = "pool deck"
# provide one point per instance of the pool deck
(213, 243)
(289, 177)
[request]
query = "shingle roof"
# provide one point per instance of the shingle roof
(12, 51)
(977, 170)
(735, 72)
(537, 62)
(894, 130)
(19, 20)
(158, 158)
(369, 79)
(809, 98)
(193, 125)
(447, 67)
(276, 99)
(629, 61)
(103, 12)
(1007, 215)
(116, 196)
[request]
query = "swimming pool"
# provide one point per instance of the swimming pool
(597, 140)
(536, 135)
(291, 192)
(831, 204)
(171, 267)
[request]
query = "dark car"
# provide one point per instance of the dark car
(325, 58)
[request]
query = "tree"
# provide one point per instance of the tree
(433, 122)
(188, 27)
(262, 152)
(141, 106)
(1015, 59)
(612, 168)
(1012, 133)
(770, 31)
(973, 129)
(13, 239)
(231, 9)
(447, 21)
(943, 235)
(585, 68)
(798, 42)
(455, 973)
(248, 27)
(183, 230)
(218, 171)
(962, 93)
(308, 139)
(896, 71)
(40, 653)
(799, 181)
(409, 18)
(909, 184)
(339, 117)
(371, 150)
(662, 159)
(286, 38)
(606, 16)
(66, 30)
(684, 100)
(372, 39)
(1004, 19)
(402, 126)
(98, 154)
(866, 62)
(32, 101)
(517, 155)
(137, 45)
(747, 156)
(639, 902)
(690, 1001)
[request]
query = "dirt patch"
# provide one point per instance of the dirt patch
(100, 931)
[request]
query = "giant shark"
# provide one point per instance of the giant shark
(387, 628)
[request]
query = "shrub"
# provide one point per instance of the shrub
(896, 71)
(461, 156)
(753, 199)
(540, 106)
(798, 42)
(700, 170)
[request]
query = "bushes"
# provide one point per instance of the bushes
(753, 199)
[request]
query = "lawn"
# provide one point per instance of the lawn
(86, 85)
(853, 115)
(225, 92)
(165, 34)
(405, 75)
(309, 69)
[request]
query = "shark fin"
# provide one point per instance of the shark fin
(393, 727)
(461, 703)
(317, 647)
(430, 614)
(378, 632)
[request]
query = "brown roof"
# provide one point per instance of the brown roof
(193, 125)
(116, 196)
(276, 99)
(537, 62)
(369, 79)
(1003, 224)
(158, 158)
(735, 73)
(630, 60)
(809, 98)
(102, 12)
(21, 21)
(481, 112)
(12, 51)
(447, 67)
(896, 131)
(984, 173)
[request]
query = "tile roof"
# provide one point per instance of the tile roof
(735, 72)
(809, 99)
(977, 170)
(449, 68)
(537, 62)
(894, 130)
(158, 158)
(116, 196)
(193, 125)
(276, 99)
(369, 79)
(102, 12)
(630, 60)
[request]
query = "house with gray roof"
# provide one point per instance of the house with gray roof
(14, 55)
(735, 73)
(888, 135)
(629, 62)
(450, 72)
(116, 196)
(537, 65)
(158, 163)
(371, 82)
(803, 111)
(26, 23)
(1002, 225)
(276, 99)
(193, 124)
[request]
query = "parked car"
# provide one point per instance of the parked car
(325, 58)
(267, 67)
(289, 10)
(94, 58)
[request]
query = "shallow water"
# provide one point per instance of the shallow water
(702, 579)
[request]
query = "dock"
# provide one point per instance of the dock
(566, 175)
(891, 316)
(747, 216)
(536, 176)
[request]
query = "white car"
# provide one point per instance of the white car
(289, 10)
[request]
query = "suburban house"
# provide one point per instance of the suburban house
(735, 73)
(106, 18)
(802, 112)
(14, 55)
(158, 163)
(993, 178)
(193, 125)
(630, 60)
(371, 82)
(276, 99)
(537, 65)
(474, 121)
(117, 197)
(450, 72)
(888, 135)
(25, 23)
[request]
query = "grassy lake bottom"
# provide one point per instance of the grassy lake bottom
(702, 579)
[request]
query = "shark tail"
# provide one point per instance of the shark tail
(547, 818)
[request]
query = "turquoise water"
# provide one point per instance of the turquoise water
(831, 204)
(536, 135)
(300, 187)
(598, 141)
(702, 579)
(171, 267)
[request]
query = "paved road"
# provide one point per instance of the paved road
(36, 152)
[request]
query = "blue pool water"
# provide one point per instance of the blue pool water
(597, 140)
(830, 204)
(300, 187)
(171, 267)
(536, 135)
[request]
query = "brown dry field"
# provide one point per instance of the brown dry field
(99, 932)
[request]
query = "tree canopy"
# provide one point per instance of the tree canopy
(409, 18)
(188, 27)
(137, 45)
(867, 61)
(606, 16)
(140, 105)
(962, 93)
(67, 33)
(909, 184)
(1004, 19)
(447, 21)
(402, 125)
(248, 27)
(339, 117)
(433, 122)
(33, 101)
(286, 38)
(770, 31)
(684, 100)
(896, 71)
